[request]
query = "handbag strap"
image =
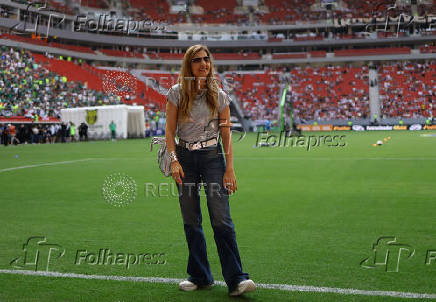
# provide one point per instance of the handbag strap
(157, 140)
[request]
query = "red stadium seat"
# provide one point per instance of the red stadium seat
(276, 56)
(372, 52)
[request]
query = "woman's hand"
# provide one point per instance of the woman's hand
(177, 172)
(229, 181)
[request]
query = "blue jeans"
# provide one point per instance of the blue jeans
(207, 166)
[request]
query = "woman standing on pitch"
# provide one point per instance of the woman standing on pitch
(195, 106)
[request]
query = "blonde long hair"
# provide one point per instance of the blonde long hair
(187, 83)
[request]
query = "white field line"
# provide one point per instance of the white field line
(47, 164)
(284, 287)
(266, 158)
(236, 157)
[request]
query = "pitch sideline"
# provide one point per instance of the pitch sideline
(284, 287)
(46, 164)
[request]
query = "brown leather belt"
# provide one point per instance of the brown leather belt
(198, 145)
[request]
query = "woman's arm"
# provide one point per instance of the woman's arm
(170, 128)
(229, 180)
(170, 133)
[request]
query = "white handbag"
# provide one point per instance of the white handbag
(163, 157)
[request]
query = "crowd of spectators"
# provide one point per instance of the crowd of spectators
(329, 93)
(33, 133)
(378, 9)
(297, 11)
(258, 93)
(222, 16)
(407, 89)
(267, 12)
(28, 89)
(155, 120)
(318, 93)
(287, 12)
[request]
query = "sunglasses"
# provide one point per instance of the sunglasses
(198, 60)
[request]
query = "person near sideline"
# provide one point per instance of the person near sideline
(73, 132)
(113, 128)
(5, 135)
(13, 133)
(22, 134)
(83, 132)
(199, 110)
(52, 131)
(35, 134)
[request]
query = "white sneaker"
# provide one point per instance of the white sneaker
(243, 287)
(187, 286)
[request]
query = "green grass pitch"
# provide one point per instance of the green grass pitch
(302, 218)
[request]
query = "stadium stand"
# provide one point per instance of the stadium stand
(169, 56)
(320, 91)
(328, 93)
(59, 6)
(155, 11)
(217, 12)
(258, 93)
(372, 51)
(428, 49)
(276, 56)
(29, 89)
(152, 9)
(77, 48)
(100, 79)
(407, 89)
(94, 4)
(121, 53)
(318, 54)
(366, 8)
(31, 40)
(225, 12)
(36, 80)
(71, 70)
(288, 11)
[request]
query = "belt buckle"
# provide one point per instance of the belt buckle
(193, 146)
(200, 145)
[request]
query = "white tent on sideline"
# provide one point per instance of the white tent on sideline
(129, 120)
